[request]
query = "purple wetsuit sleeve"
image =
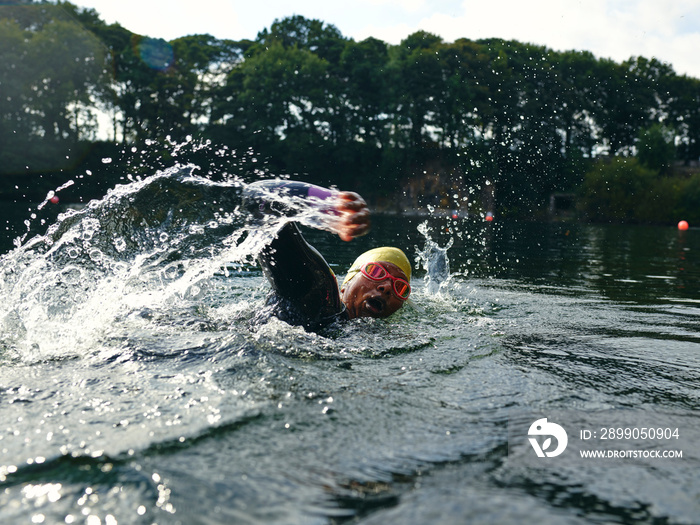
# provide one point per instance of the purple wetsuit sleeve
(319, 193)
(268, 196)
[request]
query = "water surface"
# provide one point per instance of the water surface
(134, 389)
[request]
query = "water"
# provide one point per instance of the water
(133, 388)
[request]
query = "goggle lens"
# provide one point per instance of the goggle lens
(374, 271)
(402, 289)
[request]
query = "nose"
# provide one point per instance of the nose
(384, 288)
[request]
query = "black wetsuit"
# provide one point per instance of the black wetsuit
(304, 288)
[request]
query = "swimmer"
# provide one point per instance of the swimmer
(304, 288)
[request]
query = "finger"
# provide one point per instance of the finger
(349, 201)
(351, 232)
(351, 207)
(355, 220)
(349, 195)
(356, 230)
(357, 217)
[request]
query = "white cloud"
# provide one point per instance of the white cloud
(407, 5)
(171, 19)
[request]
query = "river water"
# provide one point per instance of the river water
(134, 388)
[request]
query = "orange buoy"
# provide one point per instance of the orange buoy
(683, 225)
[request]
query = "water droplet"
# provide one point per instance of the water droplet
(95, 255)
(119, 244)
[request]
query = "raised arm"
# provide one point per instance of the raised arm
(344, 213)
(304, 284)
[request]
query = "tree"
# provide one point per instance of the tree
(203, 63)
(617, 191)
(52, 70)
(655, 147)
(324, 40)
(418, 81)
(461, 110)
(684, 114)
(364, 68)
(276, 95)
(624, 104)
(576, 108)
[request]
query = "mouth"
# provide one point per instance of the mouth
(374, 305)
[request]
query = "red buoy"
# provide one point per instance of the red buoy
(683, 225)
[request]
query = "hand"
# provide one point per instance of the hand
(353, 220)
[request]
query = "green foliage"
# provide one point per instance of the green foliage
(623, 190)
(50, 70)
(656, 148)
(687, 197)
(617, 190)
(324, 40)
(364, 71)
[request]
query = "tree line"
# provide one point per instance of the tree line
(454, 117)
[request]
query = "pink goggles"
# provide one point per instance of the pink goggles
(376, 272)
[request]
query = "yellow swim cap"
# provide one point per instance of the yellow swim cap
(384, 254)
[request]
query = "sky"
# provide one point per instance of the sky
(668, 30)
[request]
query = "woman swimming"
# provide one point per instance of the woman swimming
(304, 288)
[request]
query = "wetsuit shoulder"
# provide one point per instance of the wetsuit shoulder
(305, 288)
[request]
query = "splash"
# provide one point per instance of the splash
(140, 161)
(160, 252)
(433, 259)
(147, 246)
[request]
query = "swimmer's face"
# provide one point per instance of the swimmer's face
(364, 297)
